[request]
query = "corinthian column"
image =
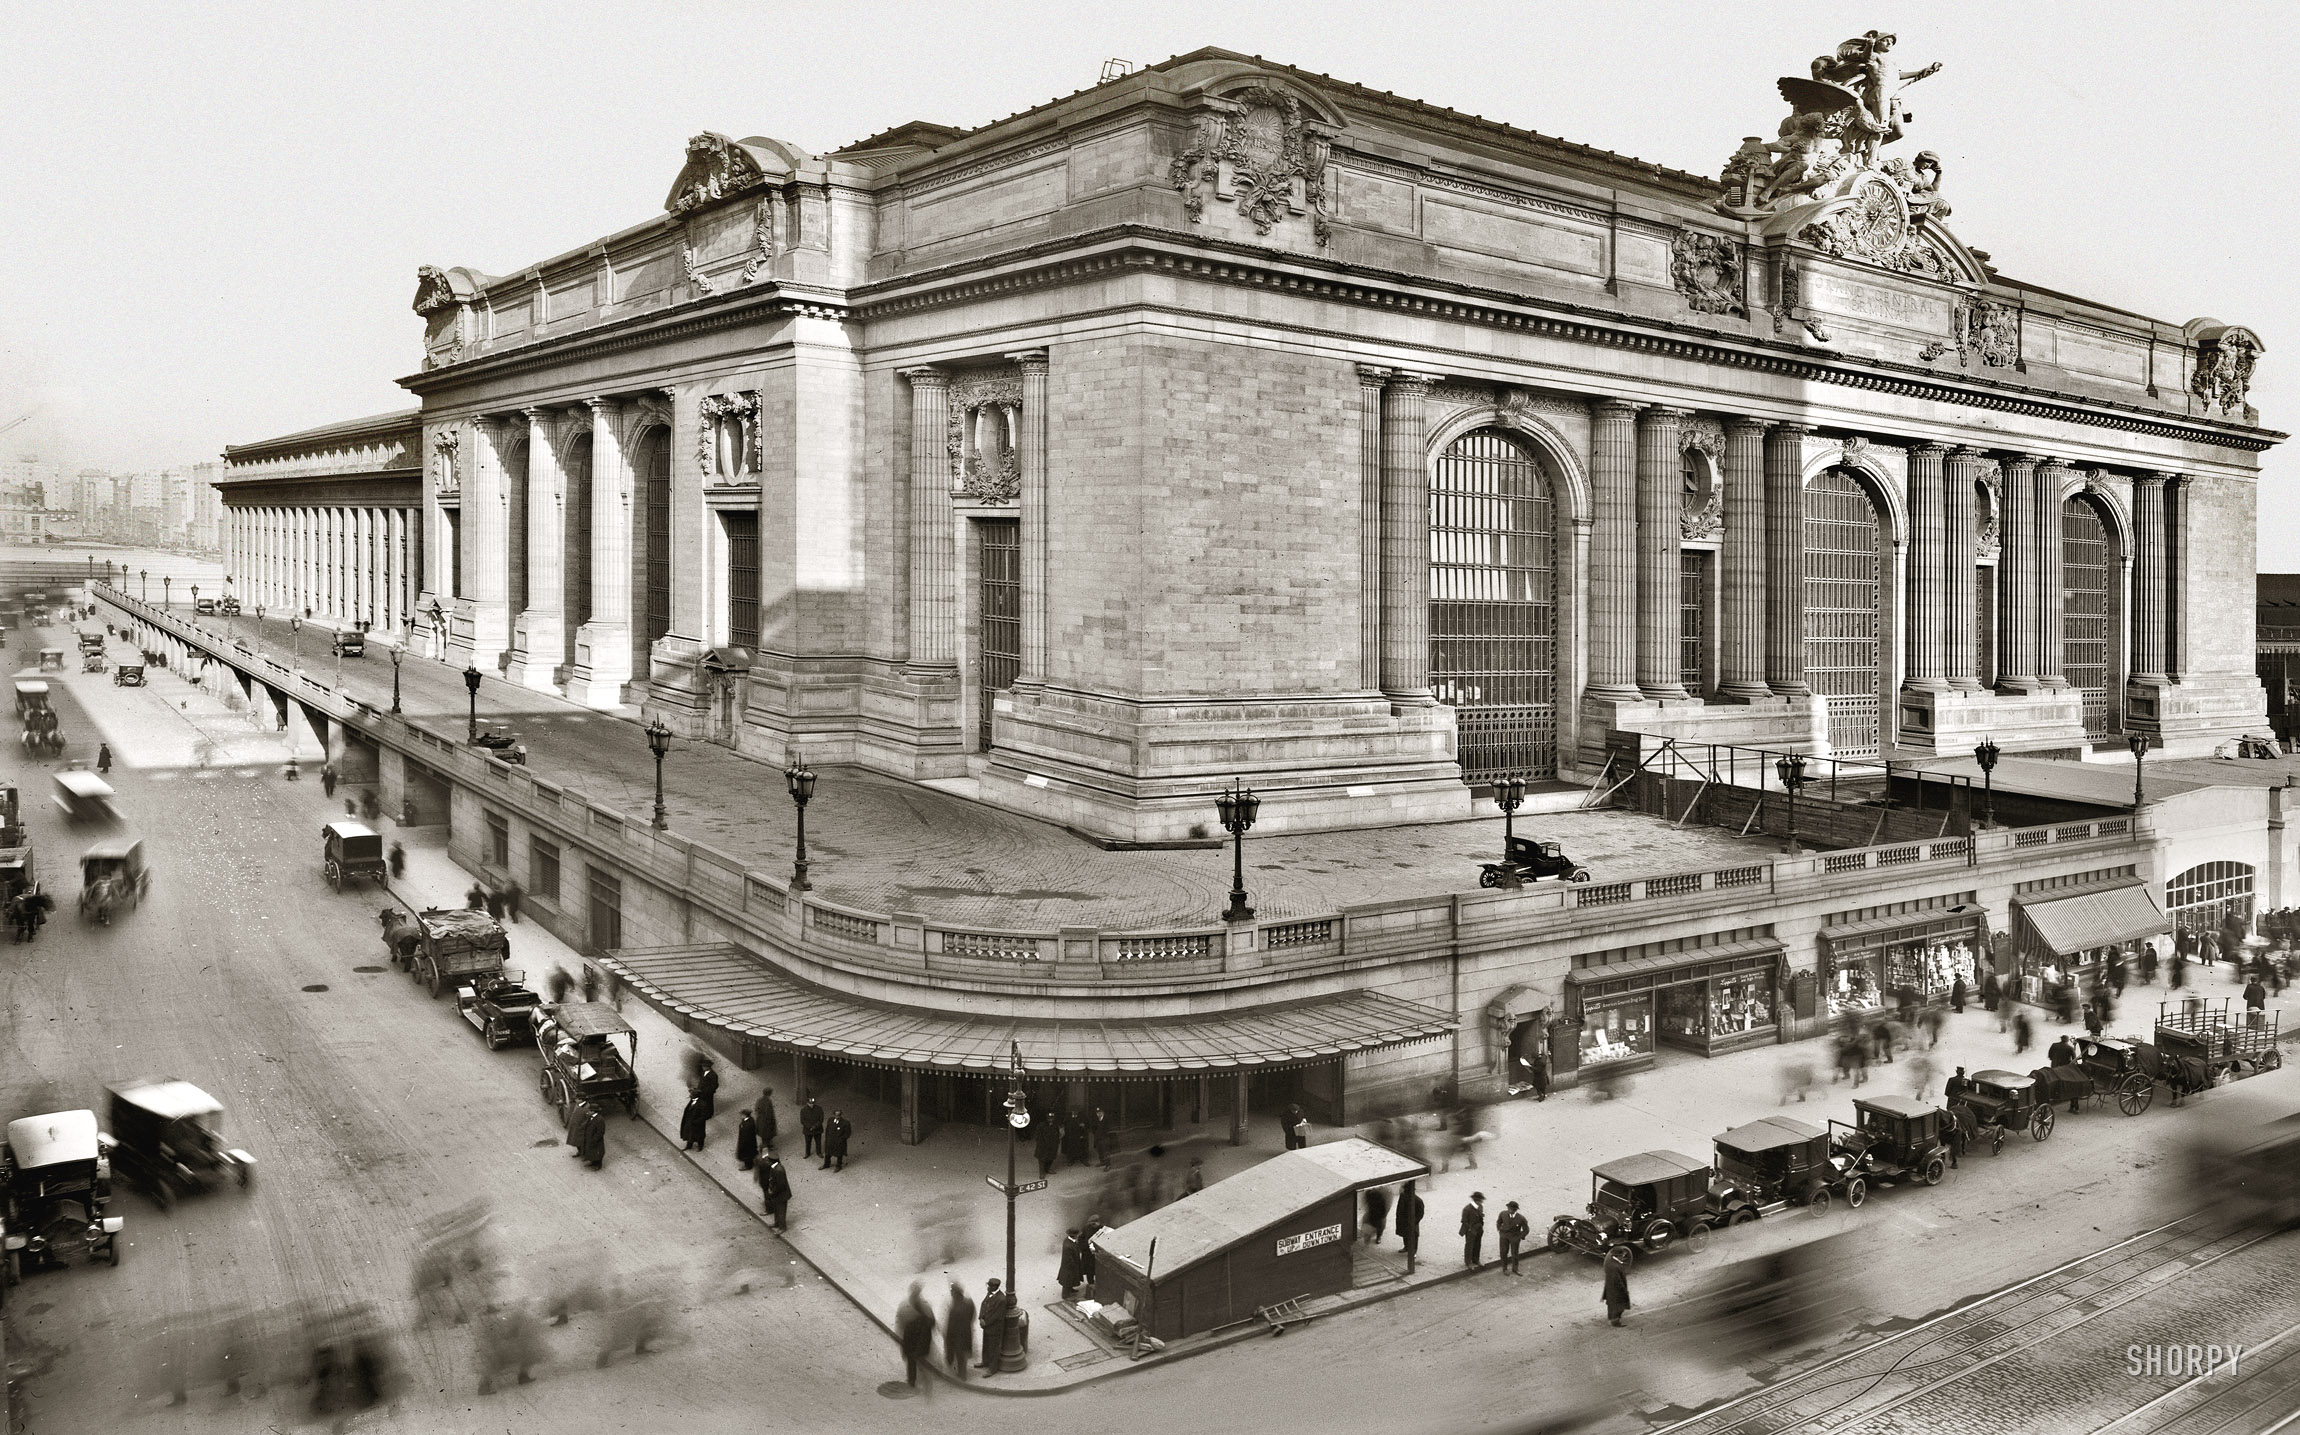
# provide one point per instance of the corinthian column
(1785, 560)
(1743, 651)
(2020, 622)
(1613, 551)
(933, 530)
(1928, 625)
(541, 632)
(1032, 456)
(1405, 540)
(1370, 381)
(2052, 653)
(1660, 603)
(2149, 588)
(1961, 628)
(603, 643)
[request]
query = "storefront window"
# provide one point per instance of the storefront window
(1855, 987)
(1616, 1030)
(1929, 968)
(1742, 1003)
(1685, 1011)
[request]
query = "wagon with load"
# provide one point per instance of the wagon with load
(442, 947)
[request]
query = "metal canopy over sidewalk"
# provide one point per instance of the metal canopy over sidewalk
(724, 987)
(2098, 917)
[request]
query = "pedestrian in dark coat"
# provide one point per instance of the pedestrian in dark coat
(476, 898)
(993, 1322)
(1075, 1139)
(1989, 991)
(914, 1329)
(327, 779)
(2062, 1052)
(2255, 1002)
(587, 1133)
(1406, 1217)
(707, 1087)
(746, 1142)
(694, 1128)
(1957, 993)
(1105, 1138)
(1072, 1269)
(1616, 1288)
(1511, 1228)
(513, 895)
(495, 903)
(1087, 1256)
(810, 1126)
(835, 1134)
(1045, 1142)
(958, 1332)
(2178, 976)
(1377, 1211)
(1473, 1229)
(2021, 1032)
(763, 1116)
(398, 862)
(1296, 1127)
(775, 1188)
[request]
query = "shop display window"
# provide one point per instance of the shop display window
(1929, 968)
(1685, 1011)
(1616, 1031)
(1742, 1003)
(1854, 988)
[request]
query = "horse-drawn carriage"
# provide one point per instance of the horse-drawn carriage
(589, 1052)
(1529, 860)
(444, 947)
(2002, 1102)
(42, 731)
(113, 879)
(350, 851)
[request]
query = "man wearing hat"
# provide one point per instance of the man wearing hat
(1473, 1229)
(1511, 1228)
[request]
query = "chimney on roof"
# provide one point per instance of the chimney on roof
(1115, 70)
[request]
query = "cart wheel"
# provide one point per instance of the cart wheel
(1489, 878)
(1997, 1141)
(1741, 1216)
(1935, 1169)
(496, 1038)
(2134, 1096)
(334, 874)
(1558, 1242)
(432, 982)
(2040, 1125)
(1658, 1236)
(2271, 1059)
(1627, 1255)
(1819, 1201)
(1856, 1191)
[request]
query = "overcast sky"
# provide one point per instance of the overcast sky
(213, 213)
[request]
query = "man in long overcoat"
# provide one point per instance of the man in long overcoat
(1407, 1218)
(836, 1132)
(707, 1087)
(747, 1142)
(993, 1322)
(1045, 1142)
(763, 1116)
(914, 1328)
(958, 1332)
(1473, 1229)
(1076, 1139)
(1616, 1288)
(587, 1133)
(694, 1125)
(810, 1126)
(1087, 1255)
(774, 1187)
(1377, 1211)
(1073, 1266)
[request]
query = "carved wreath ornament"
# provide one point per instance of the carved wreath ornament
(1708, 271)
(727, 438)
(1268, 146)
(984, 425)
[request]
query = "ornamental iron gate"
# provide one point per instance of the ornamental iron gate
(1001, 591)
(1843, 644)
(2087, 611)
(1693, 620)
(1493, 606)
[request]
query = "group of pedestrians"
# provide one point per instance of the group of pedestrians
(501, 903)
(916, 1325)
(1072, 1136)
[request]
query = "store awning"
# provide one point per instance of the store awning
(1937, 919)
(2099, 917)
(1674, 967)
(726, 988)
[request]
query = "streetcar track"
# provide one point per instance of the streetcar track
(2286, 1365)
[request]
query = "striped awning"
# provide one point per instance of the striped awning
(726, 988)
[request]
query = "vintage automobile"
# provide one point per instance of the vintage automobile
(500, 1007)
(165, 1142)
(2199, 1045)
(51, 660)
(128, 675)
(1530, 861)
(90, 642)
(1642, 1204)
(2002, 1102)
(443, 946)
(350, 851)
(229, 607)
(1774, 1163)
(582, 1059)
(113, 879)
(350, 643)
(92, 662)
(1893, 1139)
(205, 607)
(503, 743)
(59, 1178)
(83, 797)
(31, 696)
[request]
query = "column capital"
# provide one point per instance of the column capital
(2058, 463)
(1412, 383)
(925, 376)
(537, 416)
(1029, 359)
(1666, 411)
(602, 404)
(2155, 475)
(1747, 423)
(1373, 376)
(2013, 455)
(1968, 451)
(1792, 428)
(1928, 445)
(1618, 408)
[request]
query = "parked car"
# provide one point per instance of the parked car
(1893, 1139)
(1641, 1204)
(59, 1179)
(1774, 1163)
(500, 1006)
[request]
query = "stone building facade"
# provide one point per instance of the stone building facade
(327, 523)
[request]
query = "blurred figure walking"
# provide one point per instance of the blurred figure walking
(914, 1329)
(958, 1333)
(1616, 1288)
(1407, 1218)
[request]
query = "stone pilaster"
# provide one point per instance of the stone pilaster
(1406, 540)
(1929, 634)
(933, 529)
(2150, 590)
(2053, 652)
(483, 611)
(603, 643)
(1660, 499)
(540, 635)
(1742, 651)
(2178, 657)
(1785, 560)
(1959, 557)
(2020, 617)
(1370, 382)
(1613, 551)
(1032, 457)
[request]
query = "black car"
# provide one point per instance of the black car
(166, 1143)
(59, 1177)
(499, 1006)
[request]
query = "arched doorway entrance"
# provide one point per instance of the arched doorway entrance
(654, 470)
(2088, 566)
(1844, 647)
(1493, 605)
(2201, 898)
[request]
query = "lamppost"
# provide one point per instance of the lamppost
(144, 585)
(659, 743)
(1986, 756)
(1792, 770)
(801, 780)
(195, 602)
(2139, 743)
(1509, 796)
(1010, 1353)
(1238, 807)
(397, 652)
(295, 642)
(167, 592)
(438, 630)
(471, 686)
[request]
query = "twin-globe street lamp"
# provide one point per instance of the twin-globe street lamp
(1238, 807)
(398, 651)
(1791, 768)
(1986, 755)
(471, 686)
(659, 743)
(801, 780)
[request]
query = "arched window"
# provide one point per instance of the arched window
(2088, 564)
(2202, 896)
(1844, 650)
(576, 516)
(1493, 605)
(515, 519)
(655, 544)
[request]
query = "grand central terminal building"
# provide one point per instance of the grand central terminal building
(1223, 422)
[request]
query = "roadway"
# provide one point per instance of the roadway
(373, 1110)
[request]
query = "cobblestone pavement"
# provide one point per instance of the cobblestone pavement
(884, 845)
(2056, 1353)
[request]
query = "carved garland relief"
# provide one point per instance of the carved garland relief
(1988, 331)
(1708, 271)
(727, 441)
(1701, 445)
(984, 435)
(1256, 147)
(447, 449)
